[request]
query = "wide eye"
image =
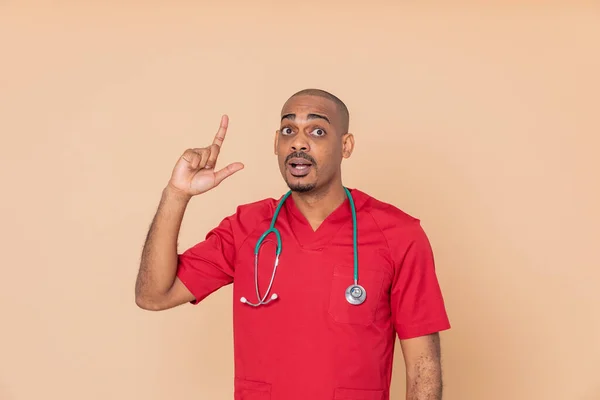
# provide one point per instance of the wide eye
(318, 132)
(286, 131)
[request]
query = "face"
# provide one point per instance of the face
(310, 144)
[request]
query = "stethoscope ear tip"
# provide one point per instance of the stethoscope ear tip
(243, 300)
(274, 296)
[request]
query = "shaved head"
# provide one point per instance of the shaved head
(342, 109)
(312, 141)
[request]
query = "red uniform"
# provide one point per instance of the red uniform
(311, 343)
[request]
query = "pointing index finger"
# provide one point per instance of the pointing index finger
(220, 136)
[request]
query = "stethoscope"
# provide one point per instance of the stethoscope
(355, 293)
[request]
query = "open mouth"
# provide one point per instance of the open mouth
(299, 168)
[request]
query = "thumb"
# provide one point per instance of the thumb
(227, 172)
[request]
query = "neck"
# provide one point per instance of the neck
(317, 205)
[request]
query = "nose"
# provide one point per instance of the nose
(300, 144)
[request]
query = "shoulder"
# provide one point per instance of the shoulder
(384, 213)
(401, 231)
(395, 223)
(247, 218)
(251, 214)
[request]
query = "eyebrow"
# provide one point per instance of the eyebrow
(309, 116)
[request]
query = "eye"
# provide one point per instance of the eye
(286, 131)
(318, 132)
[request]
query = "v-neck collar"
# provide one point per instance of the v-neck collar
(316, 240)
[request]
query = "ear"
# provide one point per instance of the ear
(276, 141)
(347, 145)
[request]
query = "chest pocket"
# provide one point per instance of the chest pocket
(340, 310)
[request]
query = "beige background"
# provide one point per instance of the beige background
(480, 120)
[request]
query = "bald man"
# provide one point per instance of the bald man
(339, 277)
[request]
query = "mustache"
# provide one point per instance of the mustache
(299, 154)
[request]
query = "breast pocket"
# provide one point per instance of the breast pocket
(340, 310)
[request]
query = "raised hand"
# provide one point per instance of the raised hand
(195, 173)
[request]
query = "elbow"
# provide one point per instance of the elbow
(142, 303)
(146, 303)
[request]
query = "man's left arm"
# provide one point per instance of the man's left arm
(418, 311)
(422, 358)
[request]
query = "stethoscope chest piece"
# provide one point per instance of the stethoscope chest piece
(355, 294)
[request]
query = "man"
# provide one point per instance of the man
(315, 335)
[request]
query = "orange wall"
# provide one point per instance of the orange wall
(480, 120)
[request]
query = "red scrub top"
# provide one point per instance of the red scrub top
(311, 343)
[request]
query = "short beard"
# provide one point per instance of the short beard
(301, 187)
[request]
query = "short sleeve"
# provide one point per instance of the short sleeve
(416, 298)
(208, 265)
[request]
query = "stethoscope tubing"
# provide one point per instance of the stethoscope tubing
(274, 230)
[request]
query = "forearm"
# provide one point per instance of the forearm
(424, 380)
(158, 265)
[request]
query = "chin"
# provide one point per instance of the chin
(300, 185)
